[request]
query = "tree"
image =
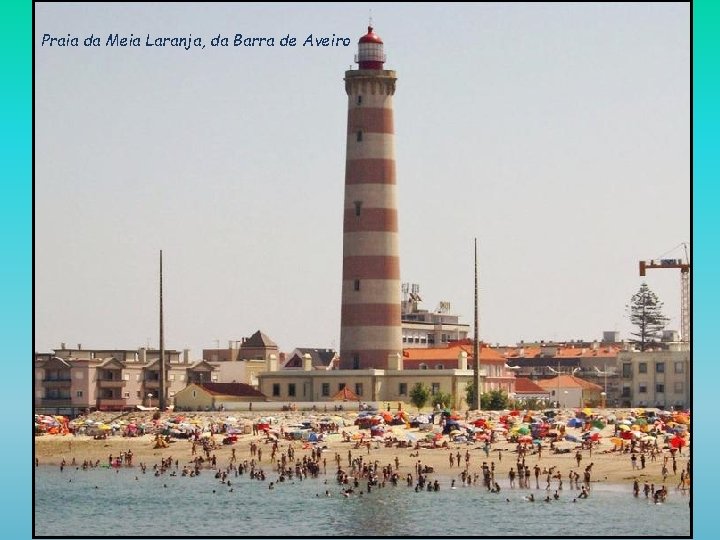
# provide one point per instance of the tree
(645, 311)
(470, 394)
(494, 400)
(444, 399)
(419, 395)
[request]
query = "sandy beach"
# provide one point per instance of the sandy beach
(608, 467)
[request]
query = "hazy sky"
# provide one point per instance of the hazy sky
(557, 134)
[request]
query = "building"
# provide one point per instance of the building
(370, 328)
(217, 396)
(571, 391)
(320, 358)
(69, 381)
(422, 328)
(390, 385)
(526, 391)
(656, 378)
(496, 375)
(256, 347)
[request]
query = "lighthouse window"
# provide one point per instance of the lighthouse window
(358, 206)
(359, 100)
(359, 136)
(357, 285)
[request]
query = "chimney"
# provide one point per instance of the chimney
(462, 360)
(272, 363)
(307, 362)
(62, 345)
(186, 356)
(143, 355)
(230, 344)
(395, 362)
(595, 345)
(79, 346)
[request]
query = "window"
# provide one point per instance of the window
(325, 389)
(627, 370)
(660, 367)
(214, 378)
(359, 136)
(276, 389)
(291, 389)
(440, 366)
(660, 388)
(422, 366)
(359, 389)
(434, 388)
(356, 285)
(431, 339)
(678, 387)
(195, 393)
(126, 377)
(171, 377)
(358, 207)
(356, 361)
(359, 100)
(137, 394)
(182, 377)
(402, 389)
(679, 367)
(79, 393)
(626, 391)
(642, 367)
(404, 341)
(126, 395)
(642, 389)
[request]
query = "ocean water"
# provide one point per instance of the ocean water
(125, 502)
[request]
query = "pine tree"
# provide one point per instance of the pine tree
(645, 311)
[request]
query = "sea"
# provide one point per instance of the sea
(126, 502)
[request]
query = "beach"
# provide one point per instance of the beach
(608, 467)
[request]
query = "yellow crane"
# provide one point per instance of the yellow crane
(684, 266)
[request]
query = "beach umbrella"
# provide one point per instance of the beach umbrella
(571, 438)
(523, 430)
(624, 427)
(525, 439)
(616, 441)
(677, 442)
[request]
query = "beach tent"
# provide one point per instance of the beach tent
(345, 394)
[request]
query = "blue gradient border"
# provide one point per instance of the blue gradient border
(706, 149)
(16, 227)
(16, 148)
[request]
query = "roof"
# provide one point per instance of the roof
(321, 358)
(232, 389)
(258, 339)
(568, 381)
(370, 37)
(451, 352)
(523, 385)
(564, 351)
(346, 395)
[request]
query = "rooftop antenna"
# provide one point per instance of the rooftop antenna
(370, 23)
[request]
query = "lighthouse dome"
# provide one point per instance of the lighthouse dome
(370, 51)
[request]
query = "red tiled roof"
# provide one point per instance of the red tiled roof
(525, 385)
(346, 395)
(568, 381)
(232, 389)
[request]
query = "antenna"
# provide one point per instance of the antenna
(370, 23)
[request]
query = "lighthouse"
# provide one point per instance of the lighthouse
(370, 328)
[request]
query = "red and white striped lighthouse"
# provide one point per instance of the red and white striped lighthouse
(370, 317)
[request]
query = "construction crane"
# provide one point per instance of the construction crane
(684, 267)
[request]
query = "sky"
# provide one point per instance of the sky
(557, 134)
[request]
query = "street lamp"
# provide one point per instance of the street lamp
(149, 396)
(566, 398)
(603, 394)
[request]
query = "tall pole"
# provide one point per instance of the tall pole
(161, 393)
(476, 344)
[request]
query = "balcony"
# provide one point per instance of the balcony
(56, 382)
(56, 402)
(114, 404)
(111, 383)
(151, 383)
